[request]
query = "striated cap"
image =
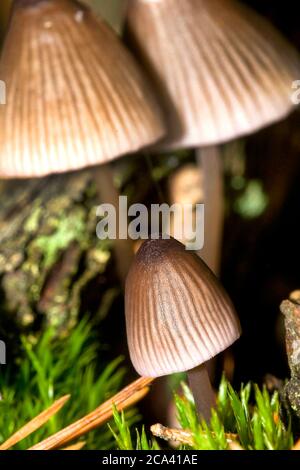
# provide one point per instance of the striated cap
(75, 96)
(178, 316)
(221, 69)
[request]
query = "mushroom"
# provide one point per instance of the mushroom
(178, 316)
(75, 96)
(222, 72)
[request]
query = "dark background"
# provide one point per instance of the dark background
(261, 257)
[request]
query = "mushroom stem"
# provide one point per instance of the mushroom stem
(202, 391)
(109, 195)
(209, 159)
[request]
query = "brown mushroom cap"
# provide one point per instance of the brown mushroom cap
(222, 70)
(178, 316)
(75, 96)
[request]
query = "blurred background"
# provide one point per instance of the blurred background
(260, 258)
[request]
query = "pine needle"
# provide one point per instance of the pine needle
(77, 446)
(130, 395)
(35, 423)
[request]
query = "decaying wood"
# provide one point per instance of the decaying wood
(130, 395)
(176, 435)
(48, 229)
(35, 423)
(184, 437)
(291, 311)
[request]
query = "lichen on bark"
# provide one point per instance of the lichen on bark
(291, 312)
(49, 251)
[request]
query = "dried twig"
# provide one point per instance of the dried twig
(175, 435)
(186, 437)
(291, 312)
(127, 397)
(34, 424)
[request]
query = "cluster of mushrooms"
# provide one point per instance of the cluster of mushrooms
(199, 73)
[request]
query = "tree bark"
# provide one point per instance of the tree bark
(49, 251)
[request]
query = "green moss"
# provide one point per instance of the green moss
(252, 416)
(51, 368)
(32, 223)
(49, 251)
(67, 230)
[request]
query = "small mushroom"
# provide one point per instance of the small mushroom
(222, 72)
(75, 98)
(75, 95)
(178, 316)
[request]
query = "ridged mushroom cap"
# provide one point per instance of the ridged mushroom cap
(178, 316)
(221, 69)
(75, 96)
